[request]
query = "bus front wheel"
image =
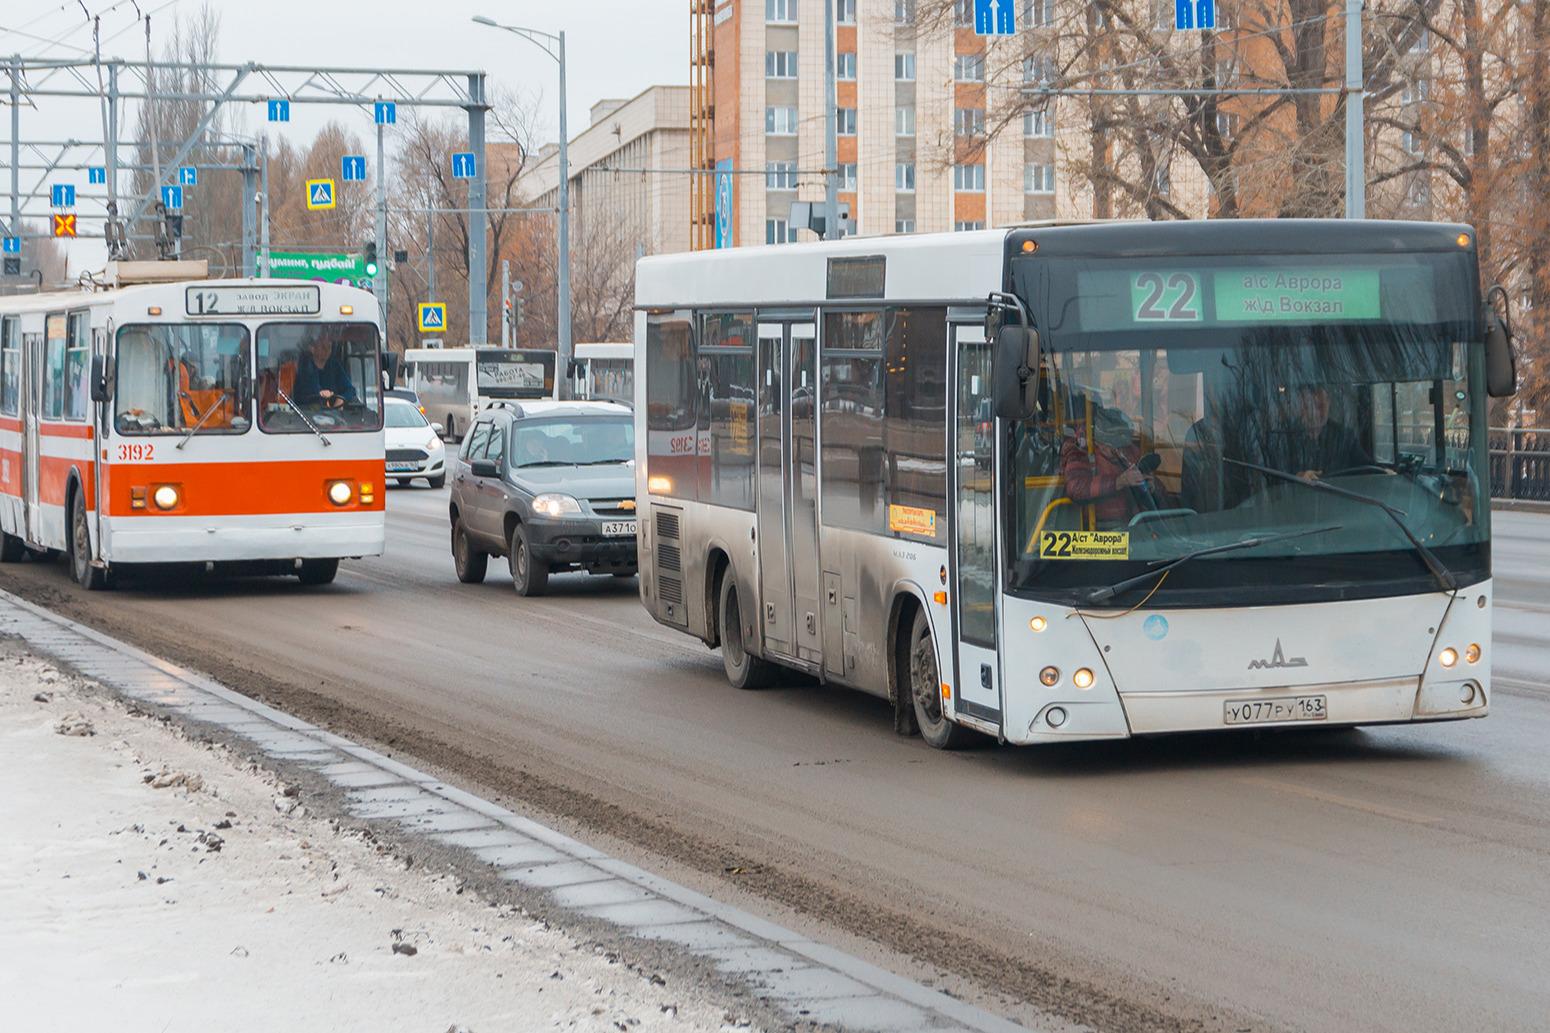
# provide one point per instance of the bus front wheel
(744, 670)
(925, 685)
(89, 577)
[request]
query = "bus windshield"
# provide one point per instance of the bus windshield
(1188, 404)
(174, 377)
(323, 374)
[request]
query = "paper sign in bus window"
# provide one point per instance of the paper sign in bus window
(1084, 545)
(912, 520)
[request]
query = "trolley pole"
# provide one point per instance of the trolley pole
(1355, 143)
(379, 281)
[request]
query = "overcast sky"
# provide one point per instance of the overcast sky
(614, 48)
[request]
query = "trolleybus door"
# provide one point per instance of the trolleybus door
(974, 524)
(32, 407)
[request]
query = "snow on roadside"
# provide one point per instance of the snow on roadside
(155, 883)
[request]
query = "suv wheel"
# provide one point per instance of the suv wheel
(468, 561)
(529, 574)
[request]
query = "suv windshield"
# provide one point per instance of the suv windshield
(171, 378)
(583, 442)
(328, 371)
(1189, 404)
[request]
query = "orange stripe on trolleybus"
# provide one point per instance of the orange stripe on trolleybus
(238, 489)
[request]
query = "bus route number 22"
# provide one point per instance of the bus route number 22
(1165, 298)
(136, 453)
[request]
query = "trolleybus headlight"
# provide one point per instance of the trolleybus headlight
(1472, 653)
(555, 504)
(1448, 657)
(1050, 675)
(339, 493)
(1083, 678)
(165, 497)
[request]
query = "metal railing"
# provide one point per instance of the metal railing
(1520, 463)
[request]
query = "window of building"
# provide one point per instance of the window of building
(963, 14)
(780, 120)
(778, 231)
(969, 121)
(903, 12)
(1226, 72)
(845, 65)
(1162, 180)
(780, 11)
(1411, 141)
(1163, 13)
(845, 121)
(1039, 123)
(847, 177)
(1420, 192)
(726, 418)
(969, 68)
(1421, 40)
(968, 225)
(780, 175)
(969, 178)
(1039, 13)
(904, 66)
(904, 225)
(1415, 92)
(845, 12)
(904, 121)
(904, 176)
(1039, 68)
(780, 64)
(1038, 178)
(1227, 124)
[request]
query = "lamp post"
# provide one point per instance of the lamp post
(554, 45)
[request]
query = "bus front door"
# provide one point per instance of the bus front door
(32, 409)
(974, 525)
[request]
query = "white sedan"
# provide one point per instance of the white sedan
(414, 447)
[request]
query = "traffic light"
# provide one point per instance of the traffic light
(371, 259)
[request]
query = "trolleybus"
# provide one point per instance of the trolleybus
(214, 422)
(1081, 481)
(454, 384)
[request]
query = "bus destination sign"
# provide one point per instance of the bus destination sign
(300, 300)
(1296, 295)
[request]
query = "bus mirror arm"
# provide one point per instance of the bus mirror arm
(1501, 367)
(1014, 370)
(99, 379)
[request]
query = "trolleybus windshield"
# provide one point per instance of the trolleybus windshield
(171, 378)
(323, 376)
(1173, 386)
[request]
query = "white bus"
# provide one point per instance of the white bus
(454, 384)
(1081, 482)
(606, 372)
(222, 422)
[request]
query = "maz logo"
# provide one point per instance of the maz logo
(1278, 659)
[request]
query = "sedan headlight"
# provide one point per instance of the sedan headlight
(433, 444)
(553, 505)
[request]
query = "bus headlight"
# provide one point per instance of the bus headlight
(1083, 678)
(166, 497)
(659, 485)
(339, 493)
(1049, 676)
(553, 505)
(1448, 657)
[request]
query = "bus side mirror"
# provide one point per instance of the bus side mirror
(1501, 367)
(99, 379)
(390, 368)
(1014, 370)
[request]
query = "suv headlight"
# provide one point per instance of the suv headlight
(553, 505)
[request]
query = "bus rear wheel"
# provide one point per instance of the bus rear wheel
(744, 670)
(925, 685)
(12, 548)
(318, 572)
(91, 578)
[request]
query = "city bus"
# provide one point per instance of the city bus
(232, 424)
(454, 384)
(1074, 482)
(606, 372)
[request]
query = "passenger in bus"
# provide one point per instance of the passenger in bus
(1315, 445)
(1112, 477)
(321, 378)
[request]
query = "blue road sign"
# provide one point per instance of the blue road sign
(172, 198)
(279, 111)
(62, 195)
(11, 246)
(96, 174)
(463, 165)
(725, 210)
(188, 176)
(995, 17)
(433, 316)
(1194, 14)
(385, 113)
(352, 167)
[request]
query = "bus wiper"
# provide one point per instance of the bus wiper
(1107, 592)
(1443, 575)
(203, 417)
(297, 409)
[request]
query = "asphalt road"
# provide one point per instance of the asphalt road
(1389, 879)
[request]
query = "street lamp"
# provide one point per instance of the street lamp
(554, 46)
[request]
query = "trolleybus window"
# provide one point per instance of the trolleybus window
(78, 366)
(1197, 403)
(10, 365)
(54, 368)
(175, 377)
(324, 374)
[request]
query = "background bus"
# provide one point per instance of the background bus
(1234, 474)
(185, 422)
(606, 372)
(454, 383)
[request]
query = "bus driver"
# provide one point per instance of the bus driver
(321, 377)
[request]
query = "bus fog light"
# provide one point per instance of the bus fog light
(339, 493)
(165, 497)
(1083, 678)
(1055, 716)
(1448, 657)
(1037, 624)
(1472, 653)
(1467, 692)
(1050, 675)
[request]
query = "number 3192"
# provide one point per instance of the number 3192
(137, 453)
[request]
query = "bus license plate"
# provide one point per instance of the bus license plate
(399, 467)
(1286, 708)
(618, 529)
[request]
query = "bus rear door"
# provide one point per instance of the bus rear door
(32, 411)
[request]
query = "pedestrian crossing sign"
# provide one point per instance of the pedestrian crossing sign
(320, 194)
(433, 317)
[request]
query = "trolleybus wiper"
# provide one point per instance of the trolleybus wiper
(297, 409)
(1105, 593)
(1443, 575)
(203, 417)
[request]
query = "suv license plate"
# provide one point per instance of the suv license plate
(1286, 708)
(618, 529)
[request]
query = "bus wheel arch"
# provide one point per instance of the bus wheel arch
(901, 620)
(717, 563)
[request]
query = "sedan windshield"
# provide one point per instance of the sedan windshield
(402, 414)
(583, 442)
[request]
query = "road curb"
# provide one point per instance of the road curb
(807, 980)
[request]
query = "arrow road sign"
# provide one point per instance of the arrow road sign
(1194, 14)
(11, 245)
(188, 176)
(433, 316)
(995, 18)
(385, 113)
(172, 198)
(463, 165)
(279, 111)
(352, 168)
(320, 194)
(96, 174)
(62, 195)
